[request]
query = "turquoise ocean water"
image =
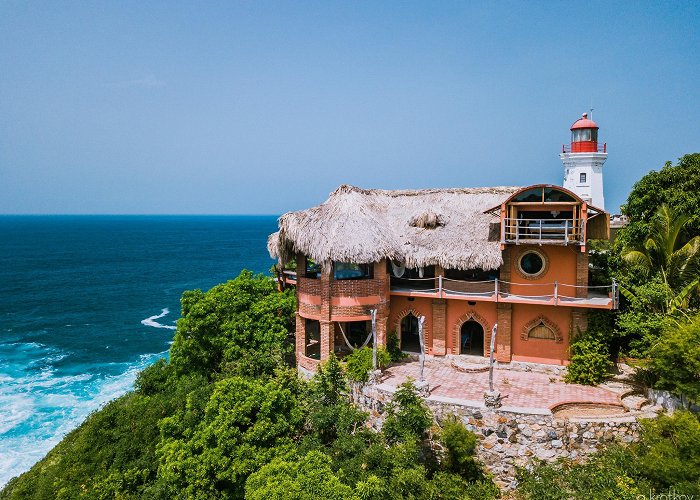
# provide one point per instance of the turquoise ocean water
(88, 301)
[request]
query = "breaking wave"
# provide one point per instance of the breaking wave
(151, 321)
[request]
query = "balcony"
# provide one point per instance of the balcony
(543, 231)
(595, 148)
(554, 294)
(290, 277)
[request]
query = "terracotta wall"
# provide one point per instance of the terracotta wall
(459, 311)
(540, 350)
(561, 267)
(420, 306)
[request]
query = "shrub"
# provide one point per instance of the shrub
(309, 478)
(359, 363)
(460, 446)
(408, 417)
(393, 348)
(590, 362)
(669, 452)
(676, 359)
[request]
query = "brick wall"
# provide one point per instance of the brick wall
(581, 274)
(308, 363)
(504, 273)
(348, 311)
(309, 310)
(327, 339)
(439, 341)
(300, 340)
(357, 288)
(505, 329)
(309, 286)
(579, 322)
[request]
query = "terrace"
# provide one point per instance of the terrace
(495, 290)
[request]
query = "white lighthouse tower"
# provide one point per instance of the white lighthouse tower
(583, 162)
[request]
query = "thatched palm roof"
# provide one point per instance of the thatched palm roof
(446, 227)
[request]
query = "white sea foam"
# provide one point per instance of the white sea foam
(37, 409)
(151, 321)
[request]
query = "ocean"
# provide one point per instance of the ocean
(86, 302)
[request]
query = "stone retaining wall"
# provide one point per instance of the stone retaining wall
(508, 439)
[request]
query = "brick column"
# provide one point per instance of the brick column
(579, 322)
(582, 274)
(327, 339)
(504, 332)
(300, 336)
(383, 309)
(439, 328)
(327, 330)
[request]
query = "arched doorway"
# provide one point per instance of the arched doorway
(410, 341)
(471, 338)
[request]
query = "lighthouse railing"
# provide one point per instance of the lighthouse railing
(599, 148)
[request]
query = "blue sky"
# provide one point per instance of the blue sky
(257, 107)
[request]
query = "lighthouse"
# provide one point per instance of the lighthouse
(583, 162)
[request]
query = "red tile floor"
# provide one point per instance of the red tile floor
(519, 389)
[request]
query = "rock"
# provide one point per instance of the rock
(544, 454)
(557, 443)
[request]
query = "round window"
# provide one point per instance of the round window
(532, 263)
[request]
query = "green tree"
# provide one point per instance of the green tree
(668, 254)
(678, 186)
(676, 358)
(308, 478)
(460, 448)
(329, 412)
(359, 363)
(407, 416)
(239, 327)
(246, 423)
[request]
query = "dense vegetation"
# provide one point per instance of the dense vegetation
(656, 261)
(226, 417)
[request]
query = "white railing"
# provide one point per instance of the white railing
(506, 291)
(542, 230)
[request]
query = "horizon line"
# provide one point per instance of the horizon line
(135, 215)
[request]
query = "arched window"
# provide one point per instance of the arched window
(541, 331)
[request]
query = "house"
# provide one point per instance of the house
(464, 259)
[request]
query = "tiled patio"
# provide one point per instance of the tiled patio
(520, 390)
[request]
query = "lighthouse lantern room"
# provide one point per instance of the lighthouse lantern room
(583, 162)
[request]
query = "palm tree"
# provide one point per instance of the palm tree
(665, 252)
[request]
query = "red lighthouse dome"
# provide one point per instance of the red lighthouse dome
(584, 136)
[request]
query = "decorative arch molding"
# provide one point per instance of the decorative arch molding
(468, 316)
(558, 337)
(426, 327)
